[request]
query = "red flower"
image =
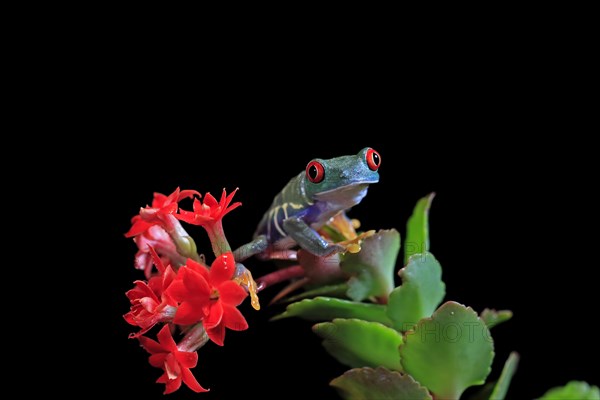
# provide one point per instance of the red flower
(175, 363)
(146, 308)
(161, 206)
(210, 211)
(210, 296)
(191, 290)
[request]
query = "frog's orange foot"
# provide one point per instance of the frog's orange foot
(244, 278)
(353, 245)
(343, 227)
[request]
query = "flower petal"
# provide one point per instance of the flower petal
(217, 334)
(159, 199)
(172, 198)
(129, 317)
(140, 290)
(168, 277)
(172, 367)
(135, 335)
(187, 359)
(149, 214)
(197, 267)
(231, 293)
(233, 319)
(165, 339)
(143, 262)
(139, 226)
(191, 382)
(186, 216)
(229, 209)
(197, 206)
(188, 194)
(170, 209)
(226, 207)
(158, 360)
(148, 304)
(194, 282)
(156, 259)
(222, 269)
(151, 345)
(171, 385)
(177, 290)
(230, 197)
(188, 313)
(210, 201)
(214, 316)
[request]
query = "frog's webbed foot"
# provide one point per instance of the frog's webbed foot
(243, 277)
(332, 248)
(343, 226)
(342, 231)
(353, 245)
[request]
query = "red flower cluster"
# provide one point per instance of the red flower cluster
(182, 292)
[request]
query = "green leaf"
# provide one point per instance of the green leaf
(417, 228)
(422, 290)
(328, 308)
(381, 384)
(510, 367)
(373, 266)
(338, 290)
(448, 352)
(574, 390)
(492, 317)
(358, 343)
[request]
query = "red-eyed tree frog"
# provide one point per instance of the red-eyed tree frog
(325, 189)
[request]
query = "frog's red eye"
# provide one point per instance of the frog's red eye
(315, 171)
(373, 159)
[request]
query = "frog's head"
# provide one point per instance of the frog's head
(342, 179)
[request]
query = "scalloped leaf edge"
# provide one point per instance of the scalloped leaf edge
(404, 379)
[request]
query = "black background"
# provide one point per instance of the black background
(493, 134)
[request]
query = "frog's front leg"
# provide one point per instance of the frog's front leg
(257, 246)
(309, 239)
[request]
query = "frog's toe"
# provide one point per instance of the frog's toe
(243, 277)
